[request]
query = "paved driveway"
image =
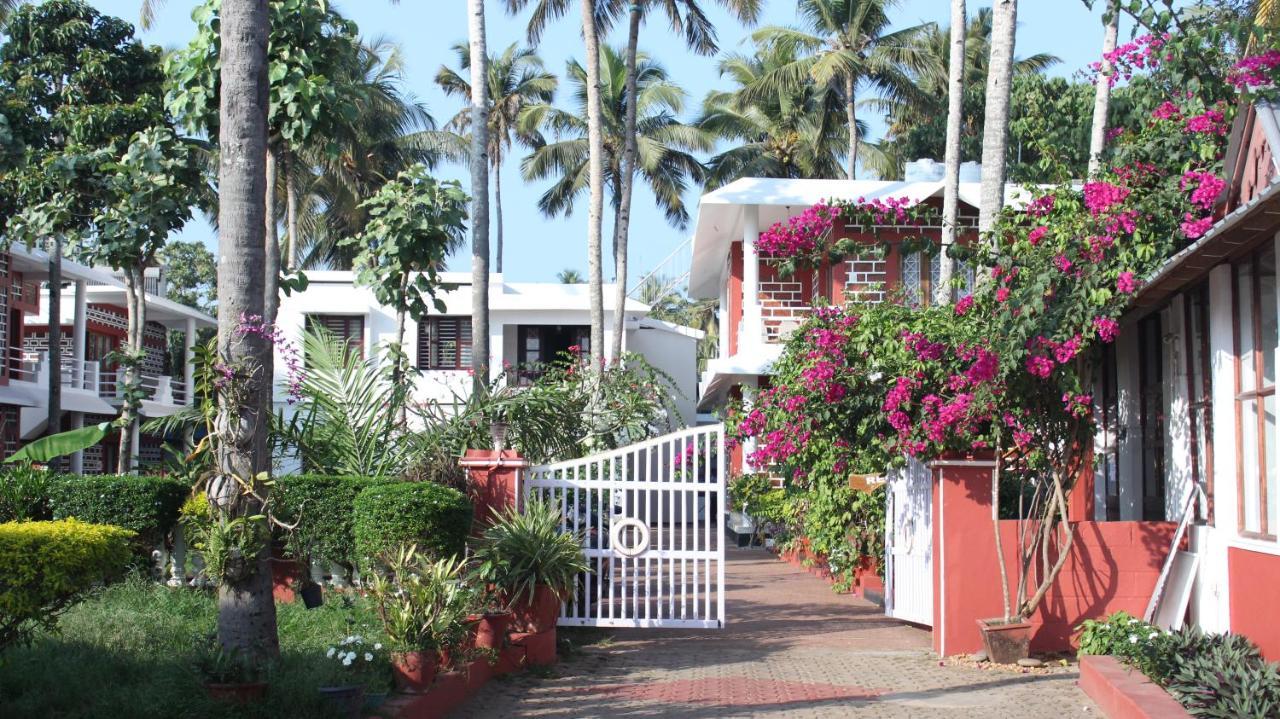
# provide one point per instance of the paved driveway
(793, 648)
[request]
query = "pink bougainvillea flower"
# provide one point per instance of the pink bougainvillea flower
(1036, 235)
(1167, 111)
(1209, 122)
(1126, 283)
(1107, 328)
(1040, 366)
(1101, 197)
(964, 304)
(1002, 294)
(1193, 227)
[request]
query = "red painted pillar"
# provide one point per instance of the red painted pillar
(966, 579)
(493, 481)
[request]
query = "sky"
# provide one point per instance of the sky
(537, 247)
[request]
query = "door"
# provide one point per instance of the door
(909, 545)
(650, 517)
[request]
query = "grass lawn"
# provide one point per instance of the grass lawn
(127, 653)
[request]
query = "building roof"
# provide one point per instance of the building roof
(720, 213)
(504, 296)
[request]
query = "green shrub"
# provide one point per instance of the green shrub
(45, 567)
(24, 493)
(1221, 675)
(148, 506)
(323, 510)
(524, 549)
(1139, 643)
(435, 518)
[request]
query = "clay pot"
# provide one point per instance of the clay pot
(413, 672)
(539, 614)
(1005, 642)
(236, 693)
(348, 701)
(491, 630)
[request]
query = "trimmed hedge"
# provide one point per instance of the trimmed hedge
(434, 517)
(147, 506)
(323, 510)
(46, 567)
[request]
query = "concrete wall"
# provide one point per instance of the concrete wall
(675, 354)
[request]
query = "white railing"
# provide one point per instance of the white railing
(650, 517)
(82, 375)
(670, 276)
(158, 388)
(24, 365)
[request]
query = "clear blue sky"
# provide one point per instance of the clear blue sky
(538, 247)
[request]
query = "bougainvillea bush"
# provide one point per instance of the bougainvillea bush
(1008, 369)
(810, 239)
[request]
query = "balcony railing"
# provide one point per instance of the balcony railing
(89, 376)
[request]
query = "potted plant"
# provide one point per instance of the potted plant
(229, 675)
(358, 672)
(423, 606)
(526, 557)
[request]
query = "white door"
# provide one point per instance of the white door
(651, 520)
(909, 545)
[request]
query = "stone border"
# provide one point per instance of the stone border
(1123, 692)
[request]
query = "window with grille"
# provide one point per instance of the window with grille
(1256, 338)
(444, 343)
(348, 328)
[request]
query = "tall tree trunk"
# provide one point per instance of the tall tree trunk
(397, 371)
(497, 208)
(951, 183)
(622, 222)
(54, 355)
(851, 118)
(479, 195)
(995, 131)
(135, 308)
(291, 208)
(271, 248)
(595, 214)
(1102, 91)
(246, 612)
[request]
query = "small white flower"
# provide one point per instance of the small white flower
(1133, 638)
(331, 652)
(346, 662)
(1153, 635)
(368, 657)
(349, 640)
(378, 645)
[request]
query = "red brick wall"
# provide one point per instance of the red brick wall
(1112, 566)
(1251, 578)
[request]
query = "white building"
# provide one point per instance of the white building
(530, 322)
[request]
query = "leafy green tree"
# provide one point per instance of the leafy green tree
(77, 86)
(191, 274)
(846, 44)
(789, 134)
(415, 222)
(517, 83)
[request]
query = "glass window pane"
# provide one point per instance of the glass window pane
(1249, 464)
(1273, 464)
(1244, 325)
(1267, 309)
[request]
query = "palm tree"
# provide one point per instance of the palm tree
(569, 276)
(846, 44)
(794, 133)
(1102, 90)
(517, 82)
(665, 159)
(995, 126)
(480, 195)
(955, 116)
(700, 36)
(246, 611)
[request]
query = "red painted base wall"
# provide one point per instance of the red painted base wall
(1112, 566)
(1252, 589)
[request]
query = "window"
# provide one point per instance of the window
(349, 328)
(1199, 391)
(1151, 415)
(1107, 438)
(921, 272)
(444, 343)
(1254, 299)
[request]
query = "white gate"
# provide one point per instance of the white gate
(909, 544)
(651, 520)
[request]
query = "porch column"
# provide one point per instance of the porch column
(752, 328)
(188, 373)
(749, 444)
(76, 420)
(135, 445)
(493, 482)
(78, 333)
(722, 314)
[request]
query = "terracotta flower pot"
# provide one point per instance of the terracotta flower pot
(413, 672)
(236, 693)
(348, 701)
(1005, 642)
(539, 614)
(491, 631)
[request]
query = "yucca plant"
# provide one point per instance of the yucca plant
(526, 548)
(423, 604)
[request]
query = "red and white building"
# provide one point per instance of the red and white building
(93, 320)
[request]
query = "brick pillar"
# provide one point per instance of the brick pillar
(493, 481)
(966, 579)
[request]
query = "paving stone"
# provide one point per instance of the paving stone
(793, 649)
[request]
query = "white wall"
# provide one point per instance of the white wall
(675, 354)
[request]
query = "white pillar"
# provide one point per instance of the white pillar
(752, 326)
(78, 334)
(749, 444)
(722, 315)
(76, 420)
(135, 444)
(188, 344)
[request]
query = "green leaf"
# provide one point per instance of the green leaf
(61, 444)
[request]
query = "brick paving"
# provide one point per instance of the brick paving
(793, 648)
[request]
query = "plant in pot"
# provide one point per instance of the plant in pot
(358, 675)
(423, 605)
(229, 675)
(531, 562)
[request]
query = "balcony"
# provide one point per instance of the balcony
(162, 395)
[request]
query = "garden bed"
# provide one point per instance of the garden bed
(1122, 692)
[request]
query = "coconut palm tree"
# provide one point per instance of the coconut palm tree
(846, 44)
(1102, 88)
(955, 116)
(795, 133)
(517, 82)
(479, 64)
(246, 611)
(700, 37)
(665, 160)
(995, 126)
(569, 276)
